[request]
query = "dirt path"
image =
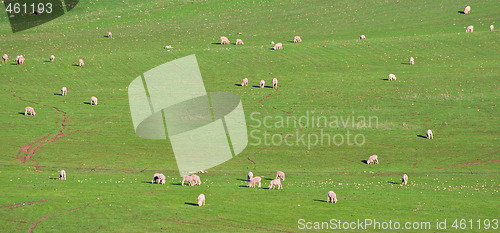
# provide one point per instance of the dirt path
(469, 163)
(52, 215)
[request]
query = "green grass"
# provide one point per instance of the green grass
(452, 89)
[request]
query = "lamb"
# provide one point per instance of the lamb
(254, 180)
(405, 179)
(281, 175)
(467, 10)
(110, 35)
(272, 43)
(244, 82)
(156, 178)
(224, 40)
(52, 57)
(274, 183)
(81, 63)
(161, 179)
(412, 61)
(362, 37)
(250, 176)
(5, 57)
(201, 200)
(332, 197)
(297, 39)
(278, 46)
(195, 180)
(372, 160)
(187, 178)
(169, 47)
(392, 77)
(429, 134)
(470, 29)
(491, 28)
(275, 83)
(64, 91)
(93, 100)
(62, 175)
(29, 110)
(262, 83)
(20, 59)
(239, 41)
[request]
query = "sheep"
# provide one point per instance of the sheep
(491, 28)
(169, 47)
(195, 180)
(332, 197)
(161, 179)
(429, 134)
(362, 37)
(156, 178)
(93, 100)
(372, 160)
(272, 43)
(274, 183)
(20, 59)
(297, 39)
(5, 57)
(281, 175)
(29, 110)
(412, 61)
(110, 35)
(224, 40)
(467, 10)
(405, 179)
(250, 176)
(254, 180)
(244, 82)
(239, 41)
(278, 46)
(62, 175)
(81, 63)
(186, 178)
(392, 77)
(52, 57)
(275, 83)
(470, 29)
(64, 91)
(262, 83)
(201, 200)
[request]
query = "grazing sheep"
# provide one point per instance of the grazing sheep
(429, 134)
(281, 175)
(156, 178)
(372, 160)
(195, 180)
(262, 83)
(332, 197)
(278, 46)
(52, 57)
(110, 35)
(201, 200)
(392, 77)
(93, 100)
(362, 37)
(62, 175)
(64, 91)
(467, 10)
(275, 83)
(5, 57)
(187, 178)
(169, 47)
(244, 82)
(491, 28)
(250, 176)
(297, 39)
(274, 183)
(412, 61)
(161, 179)
(272, 43)
(239, 41)
(254, 180)
(81, 63)
(20, 59)
(224, 40)
(29, 110)
(470, 29)
(405, 179)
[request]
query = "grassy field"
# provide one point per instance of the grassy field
(453, 89)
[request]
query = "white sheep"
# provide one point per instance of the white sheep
(169, 47)
(262, 83)
(278, 46)
(275, 83)
(64, 91)
(110, 35)
(62, 175)
(470, 29)
(244, 82)
(392, 77)
(405, 179)
(372, 160)
(5, 57)
(272, 43)
(297, 39)
(412, 61)
(29, 110)
(187, 178)
(362, 37)
(81, 63)
(429, 134)
(250, 176)
(467, 10)
(332, 197)
(491, 27)
(253, 181)
(93, 100)
(195, 180)
(20, 59)
(239, 41)
(52, 57)
(281, 175)
(274, 183)
(161, 179)
(224, 40)
(156, 178)
(201, 200)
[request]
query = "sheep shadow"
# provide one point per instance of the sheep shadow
(290, 41)
(217, 43)
(106, 36)
(268, 179)
(272, 48)
(21, 113)
(318, 200)
(238, 84)
(14, 63)
(243, 186)
(405, 63)
(54, 178)
(386, 79)
(242, 179)
(149, 182)
(190, 203)
(393, 182)
(75, 65)
(422, 136)
(58, 94)
(461, 12)
(264, 86)
(47, 61)
(364, 161)
(86, 103)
